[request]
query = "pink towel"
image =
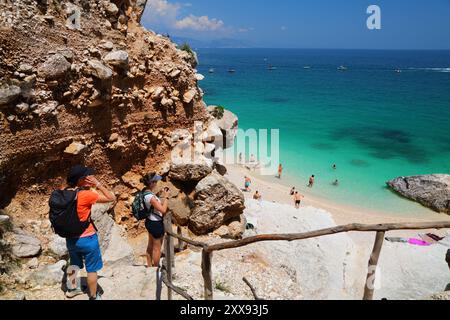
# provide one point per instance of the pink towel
(418, 242)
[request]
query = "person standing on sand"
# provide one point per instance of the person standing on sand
(155, 222)
(85, 249)
(247, 184)
(280, 171)
(298, 199)
(312, 181)
(240, 158)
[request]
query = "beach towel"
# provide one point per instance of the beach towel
(418, 242)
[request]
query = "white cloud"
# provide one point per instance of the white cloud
(203, 23)
(167, 14)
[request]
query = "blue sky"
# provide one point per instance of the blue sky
(413, 24)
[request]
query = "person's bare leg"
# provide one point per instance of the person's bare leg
(92, 284)
(149, 251)
(156, 254)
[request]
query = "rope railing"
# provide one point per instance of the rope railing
(207, 250)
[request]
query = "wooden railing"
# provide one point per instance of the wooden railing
(207, 250)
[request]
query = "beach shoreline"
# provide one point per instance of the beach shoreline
(272, 189)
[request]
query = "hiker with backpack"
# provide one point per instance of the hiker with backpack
(151, 208)
(70, 215)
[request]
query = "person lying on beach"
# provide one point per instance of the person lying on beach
(298, 199)
(311, 181)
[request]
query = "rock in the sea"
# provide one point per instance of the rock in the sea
(48, 275)
(118, 58)
(55, 67)
(217, 202)
(25, 245)
(189, 172)
(99, 70)
(432, 191)
(58, 246)
(8, 93)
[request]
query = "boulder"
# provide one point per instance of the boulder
(33, 263)
(25, 68)
(8, 93)
(233, 230)
(22, 108)
(116, 251)
(181, 209)
(228, 123)
(75, 148)
(55, 67)
(58, 246)
(4, 219)
(432, 191)
(25, 245)
(189, 95)
(111, 8)
(49, 275)
(189, 172)
(99, 70)
(118, 58)
(217, 201)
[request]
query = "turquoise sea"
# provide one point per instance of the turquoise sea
(374, 123)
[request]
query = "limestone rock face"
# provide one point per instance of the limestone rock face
(58, 246)
(189, 172)
(234, 229)
(432, 191)
(115, 249)
(25, 245)
(48, 275)
(217, 201)
(228, 123)
(55, 67)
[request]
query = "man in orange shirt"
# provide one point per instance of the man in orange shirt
(86, 248)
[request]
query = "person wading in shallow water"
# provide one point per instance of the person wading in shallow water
(154, 224)
(85, 248)
(311, 181)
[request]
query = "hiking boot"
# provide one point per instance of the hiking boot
(74, 293)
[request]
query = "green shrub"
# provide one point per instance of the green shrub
(186, 47)
(222, 286)
(218, 112)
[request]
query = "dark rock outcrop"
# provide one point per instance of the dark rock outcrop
(432, 191)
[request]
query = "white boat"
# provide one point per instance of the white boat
(272, 68)
(307, 67)
(211, 70)
(231, 70)
(342, 68)
(398, 71)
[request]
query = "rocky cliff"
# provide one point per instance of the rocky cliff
(82, 81)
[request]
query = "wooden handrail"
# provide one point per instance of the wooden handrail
(380, 229)
(328, 231)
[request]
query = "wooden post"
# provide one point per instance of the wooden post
(373, 262)
(168, 265)
(180, 242)
(207, 274)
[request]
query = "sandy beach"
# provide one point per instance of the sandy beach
(272, 190)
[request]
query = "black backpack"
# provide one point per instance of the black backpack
(139, 209)
(64, 216)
